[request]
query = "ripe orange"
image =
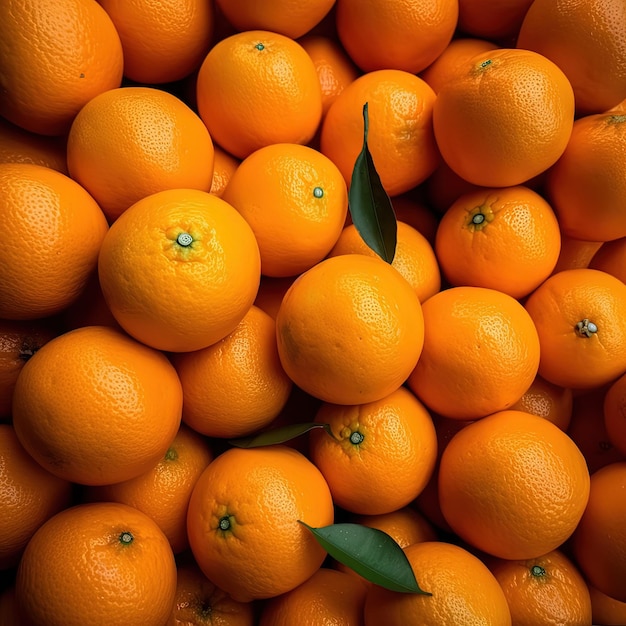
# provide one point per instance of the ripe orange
(350, 330)
(99, 563)
(481, 353)
(506, 117)
(237, 385)
(131, 142)
(614, 410)
(591, 169)
(295, 200)
(580, 316)
(243, 521)
(179, 269)
(224, 166)
(94, 406)
(586, 40)
(256, 88)
(400, 137)
(395, 34)
(547, 589)
(498, 472)
(327, 597)
(599, 543)
(492, 19)
(163, 41)
(368, 439)
(463, 589)
(575, 253)
(163, 492)
(29, 495)
(55, 57)
(54, 232)
(506, 239)
(606, 610)
(610, 257)
(414, 258)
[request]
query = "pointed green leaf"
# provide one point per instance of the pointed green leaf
(371, 553)
(277, 435)
(370, 207)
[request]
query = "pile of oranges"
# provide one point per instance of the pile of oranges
(180, 271)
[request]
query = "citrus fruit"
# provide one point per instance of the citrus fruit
(224, 166)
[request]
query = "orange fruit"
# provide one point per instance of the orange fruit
(396, 431)
(492, 19)
(547, 589)
(256, 88)
(271, 293)
(237, 385)
(131, 142)
(55, 57)
(498, 472)
(606, 610)
(243, 521)
(414, 257)
(580, 316)
(593, 59)
(54, 232)
(506, 239)
(99, 563)
(480, 355)
(610, 257)
(350, 330)
(179, 269)
(327, 597)
(94, 406)
(198, 601)
(395, 34)
(463, 590)
(224, 166)
(163, 492)
(400, 137)
(614, 410)
(506, 117)
(599, 542)
(29, 495)
(591, 169)
(575, 253)
(295, 200)
(162, 41)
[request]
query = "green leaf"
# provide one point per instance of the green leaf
(277, 435)
(370, 207)
(371, 553)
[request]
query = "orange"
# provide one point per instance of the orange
(416, 213)
(163, 491)
(506, 117)
(492, 19)
(599, 543)
(400, 137)
(19, 340)
(499, 473)
(549, 401)
(575, 253)
(610, 257)
(481, 353)
(414, 257)
(100, 563)
(586, 40)
(224, 166)
(55, 57)
(271, 293)
(295, 200)
(334, 67)
(547, 589)
(327, 597)
(350, 330)
(366, 441)
(54, 232)
(580, 316)
(591, 169)
(94, 406)
(237, 385)
(256, 88)
(198, 601)
(463, 590)
(163, 41)
(131, 142)
(606, 610)
(395, 34)
(506, 239)
(29, 495)
(292, 18)
(243, 521)
(614, 409)
(179, 269)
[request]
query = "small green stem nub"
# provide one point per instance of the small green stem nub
(586, 328)
(537, 570)
(126, 538)
(478, 218)
(318, 192)
(184, 239)
(356, 438)
(224, 523)
(260, 46)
